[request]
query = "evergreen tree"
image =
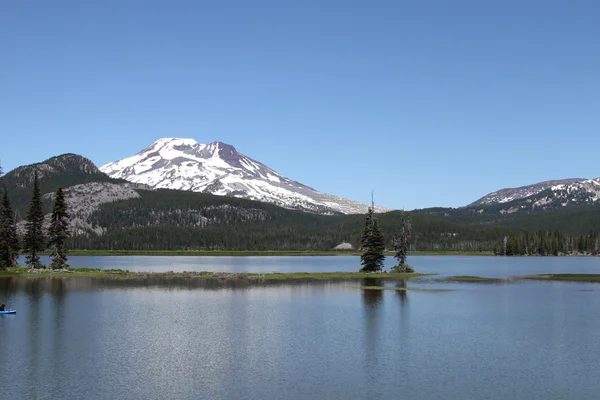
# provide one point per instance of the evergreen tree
(543, 243)
(34, 234)
(2, 242)
(372, 244)
(402, 245)
(58, 232)
(9, 241)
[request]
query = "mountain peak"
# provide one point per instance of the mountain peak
(63, 170)
(171, 147)
(510, 194)
(64, 163)
(223, 150)
(174, 141)
(545, 195)
(218, 168)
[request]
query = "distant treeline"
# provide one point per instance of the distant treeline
(544, 243)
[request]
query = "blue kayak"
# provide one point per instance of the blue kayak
(8, 312)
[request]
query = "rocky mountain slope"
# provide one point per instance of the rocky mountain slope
(219, 169)
(83, 200)
(510, 194)
(548, 195)
(86, 189)
(64, 170)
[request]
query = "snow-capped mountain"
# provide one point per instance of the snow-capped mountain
(218, 168)
(545, 195)
(511, 194)
(583, 192)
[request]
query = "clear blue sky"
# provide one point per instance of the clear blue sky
(430, 103)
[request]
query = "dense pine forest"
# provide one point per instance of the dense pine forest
(545, 243)
(174, 220)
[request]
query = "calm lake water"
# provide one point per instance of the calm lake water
(444, 265)
(79, 338)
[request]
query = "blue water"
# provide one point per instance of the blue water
(79, 338)
(444, 265)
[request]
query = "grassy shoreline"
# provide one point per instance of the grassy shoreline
(255, 253)
(119, 274)
(473, 279)
(128, 275)
(585, 278)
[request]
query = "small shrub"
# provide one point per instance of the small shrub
(403, 269)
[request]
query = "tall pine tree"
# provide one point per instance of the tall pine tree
(402, 245)
(58, 232)
(34, 233)
(372, 244)
(2, 242)
(9, 241)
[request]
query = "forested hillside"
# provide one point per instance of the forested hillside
(64, 170)
(169, 219)
(111, 214)
(572, 220)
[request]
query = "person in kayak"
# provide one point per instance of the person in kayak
(2, 307)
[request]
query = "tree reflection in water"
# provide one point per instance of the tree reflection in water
(372, 299)
(401, 285)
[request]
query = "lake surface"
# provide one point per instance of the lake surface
(445, 265)
(79, 338)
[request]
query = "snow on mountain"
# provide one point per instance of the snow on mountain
(585, 191)
(218, 168)
(549, 194)
(511, 194)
